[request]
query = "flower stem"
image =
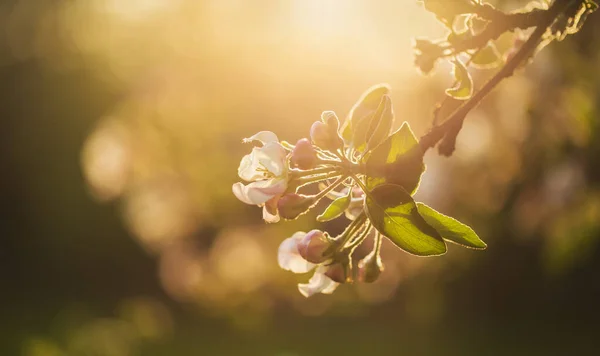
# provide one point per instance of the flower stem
(330, 187)
(360, 183)
(377, 243)
(311, 172)
(357, 241)
(351, 229)
(325, 153)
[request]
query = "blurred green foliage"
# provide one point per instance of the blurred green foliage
(122, 134)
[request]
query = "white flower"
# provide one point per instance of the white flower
(290, 260)
(266, 170)
(318, 283)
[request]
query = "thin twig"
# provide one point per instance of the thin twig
(438, 132)
(500, 23)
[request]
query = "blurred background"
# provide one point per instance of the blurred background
(121, 135)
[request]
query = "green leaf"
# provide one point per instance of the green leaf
(455, 37)
(362, 111)
(397, 160)
(447, 10)
(451, 229)
(464, 83)
(486, 58)
(381, 124)
(476, 24)
(394, 214)
(336, 208)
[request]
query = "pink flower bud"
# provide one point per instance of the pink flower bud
(314, 247)
(332, 121)
(304, 155)
(370, 267)
(319, 134)
(290, 206)
(340, 271)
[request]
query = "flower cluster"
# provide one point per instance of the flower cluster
(368, 174)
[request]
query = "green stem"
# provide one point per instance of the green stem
(313, 179)
(359, 239)
(329, 188)
(351, 229)
(315, 171)
(325, 153)
(377, 243)
(360, 183)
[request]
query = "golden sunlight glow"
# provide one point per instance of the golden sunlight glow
(136, 9)
(325, 18)
(160, 212)
(106, 159)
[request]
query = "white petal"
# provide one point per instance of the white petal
(318, 283)
(264, 137)
(272, 156)
(240, 192)
(270, 213)
(333, 195)
(331, 288)
(264, 190)
(354, 210)
(248, 169)
(268, 217)
(257, 193)
(288, 257)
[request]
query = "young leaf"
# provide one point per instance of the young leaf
(456, 37)
(359, 137)
(397, 160)
(336, 208)
(451, 229)
(447, 10)
(394, 214)
(366, 105)
(464, 83)
(488, 57)
(381, 124)
(476, 24)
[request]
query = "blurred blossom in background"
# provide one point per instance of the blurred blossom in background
(122, 137)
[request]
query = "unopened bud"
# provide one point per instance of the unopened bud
(325, 135)
(333, 124)
(304, 155)
(315, 247)
(370, 267)
(340, 271)
(319, 134)
(331, 119)
(290, 206)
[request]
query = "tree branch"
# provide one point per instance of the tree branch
(455, 119)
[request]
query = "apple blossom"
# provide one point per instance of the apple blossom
(290, 259)
(266, 170)
(369, 174)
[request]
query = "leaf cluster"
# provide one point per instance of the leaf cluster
(391, 169)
